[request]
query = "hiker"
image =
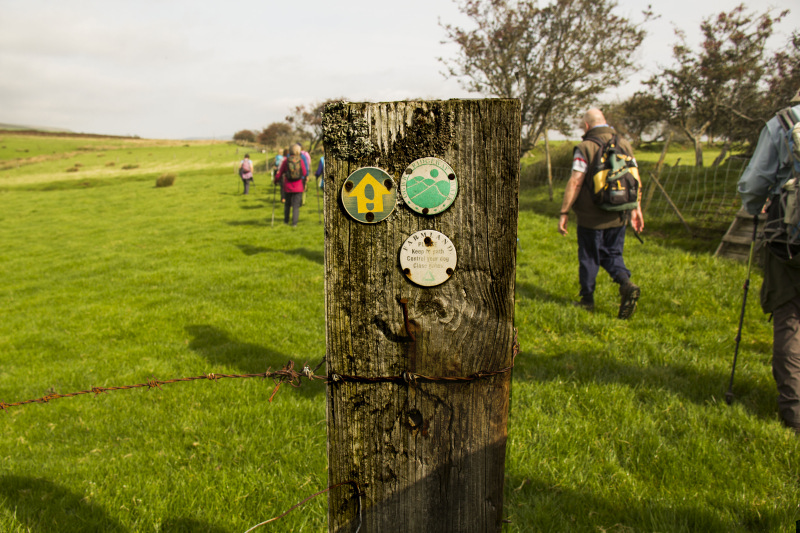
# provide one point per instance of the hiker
(601, 233)
(307, 160)
(278, 160)
(320, 171)
(246, 172)
(306, 157)
(292, 174)
(769, 168)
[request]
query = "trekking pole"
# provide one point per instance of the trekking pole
(319, 215)
(274, 186)
(729, 394)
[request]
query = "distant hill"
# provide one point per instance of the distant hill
(14, 127)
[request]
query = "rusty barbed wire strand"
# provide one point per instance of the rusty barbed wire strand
(350, 482)
(289, 375)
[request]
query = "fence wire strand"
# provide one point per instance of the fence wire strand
(352, 483)
(289, 375)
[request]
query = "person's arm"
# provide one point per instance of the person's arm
(280, 171)
(761, 173)
(637, 219)
(570, 195)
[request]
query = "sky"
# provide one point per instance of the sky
(180, 69)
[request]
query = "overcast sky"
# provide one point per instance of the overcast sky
(177, 69)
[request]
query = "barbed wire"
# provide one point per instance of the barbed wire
(288, 375)
(350, 482)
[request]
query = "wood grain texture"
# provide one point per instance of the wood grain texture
(428, 458)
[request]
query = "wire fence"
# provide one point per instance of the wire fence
(289, 375)
(706, 197)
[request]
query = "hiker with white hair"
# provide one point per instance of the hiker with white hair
(601, 227)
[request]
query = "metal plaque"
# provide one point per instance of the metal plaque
(369, 195)
(428, 258)
(429, 186)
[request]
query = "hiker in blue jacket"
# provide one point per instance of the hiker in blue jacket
(769, 168)
(320, 171)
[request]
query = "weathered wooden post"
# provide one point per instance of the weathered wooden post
(420, 252)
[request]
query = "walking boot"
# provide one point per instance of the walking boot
(628, 296)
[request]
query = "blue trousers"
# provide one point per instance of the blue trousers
(600, 248)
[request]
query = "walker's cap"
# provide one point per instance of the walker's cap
(796, 97)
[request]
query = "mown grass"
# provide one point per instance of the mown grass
(614, 426)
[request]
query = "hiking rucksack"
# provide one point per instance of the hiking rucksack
(782, 228)
(294, 169)
(613, 179)
(243, 170)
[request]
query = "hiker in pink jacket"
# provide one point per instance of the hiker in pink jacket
(293, 170)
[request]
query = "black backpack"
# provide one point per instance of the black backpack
(613, 177)
(294, 169)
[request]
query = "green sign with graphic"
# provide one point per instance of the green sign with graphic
(369, 195)
(429, 186)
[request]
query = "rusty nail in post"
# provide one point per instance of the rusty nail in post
(404, 303)
(370, 216)
(428, 241)
(409, 170)
(451, 176)
(348, 185)
(449, 271)
(425, 211)
(388, 184)
(407, 271)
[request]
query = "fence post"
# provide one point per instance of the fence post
(428, 454)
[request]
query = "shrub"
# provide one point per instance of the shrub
(165, 180)
(534, 172)
(129, 167)
(73, 169)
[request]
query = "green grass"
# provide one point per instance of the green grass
(614, 426)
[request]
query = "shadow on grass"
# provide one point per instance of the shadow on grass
(537, 293)
(316, 256)
(556, 508)
(684, 380)
(258, 223)
(189, 525)
(219, 348)
(41, 506)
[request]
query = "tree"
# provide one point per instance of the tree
(307, 121)
(277, 134)
(244, 136)
(555, 59)
(783, 75)
(717, 90)
(636, 116)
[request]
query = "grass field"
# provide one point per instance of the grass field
(108, 280)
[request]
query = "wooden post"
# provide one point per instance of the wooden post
(549, 164)
(659, 165)
(429, 456)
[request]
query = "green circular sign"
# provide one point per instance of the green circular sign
(369, 195)
(429, 186)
